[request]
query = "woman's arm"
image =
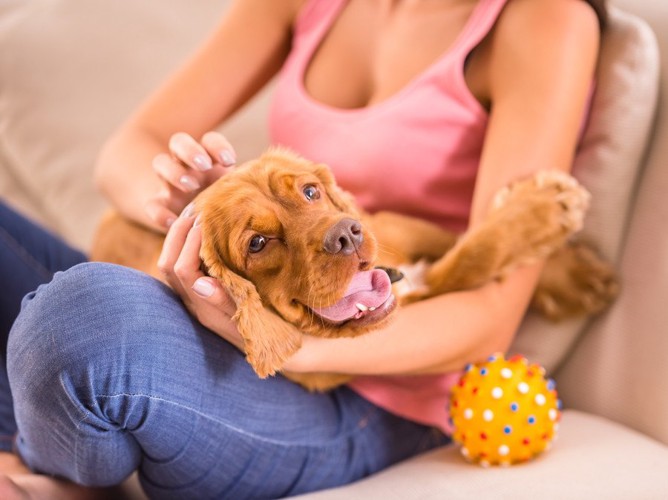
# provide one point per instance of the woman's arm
(540, 64)
(244, 52)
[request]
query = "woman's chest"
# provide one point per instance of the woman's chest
(373, 50)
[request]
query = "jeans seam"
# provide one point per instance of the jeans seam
(366, 417)
(20, 251)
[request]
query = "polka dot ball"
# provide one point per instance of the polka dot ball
(504, 411)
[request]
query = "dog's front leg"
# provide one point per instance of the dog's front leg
(529, 220)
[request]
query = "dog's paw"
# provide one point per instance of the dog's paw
(575, 282)
(541, 211)
(412, 287)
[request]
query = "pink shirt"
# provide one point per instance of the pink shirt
(416, 152)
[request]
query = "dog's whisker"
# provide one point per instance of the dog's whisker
(388, 250)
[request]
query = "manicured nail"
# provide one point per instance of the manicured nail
(227, 158)
(202, 162)
(203, 288)
(198, 220)
(190, 183)
(189, 211)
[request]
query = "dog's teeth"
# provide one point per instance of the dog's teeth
(361, 307)
(372, 309)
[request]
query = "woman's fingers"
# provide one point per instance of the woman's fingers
(203, 295)
(158, 212)
(190, 167)
(188, 269)
(163, 208)
(190, 152)
(172, 247)
(176, 174)
(219, 148)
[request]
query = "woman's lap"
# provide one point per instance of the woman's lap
(29, 256)
(111, 374)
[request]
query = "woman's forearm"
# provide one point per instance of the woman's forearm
(433, 336)
(123, 172)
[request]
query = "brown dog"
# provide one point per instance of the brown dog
(298, 258)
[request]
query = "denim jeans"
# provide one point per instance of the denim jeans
(29, 256)
(110, 374)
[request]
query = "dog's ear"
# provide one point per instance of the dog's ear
(341, 199)
(268, 339)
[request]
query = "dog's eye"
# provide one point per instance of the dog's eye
(311, 192)
(257, 243)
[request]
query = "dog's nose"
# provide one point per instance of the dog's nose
(344, 237)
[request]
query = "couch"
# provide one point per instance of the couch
(71, 71)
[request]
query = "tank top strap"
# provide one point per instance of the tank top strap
(314, 20)
(480, 23)
(449, 71)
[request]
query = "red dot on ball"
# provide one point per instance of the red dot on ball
(483, 436)
(526, 441)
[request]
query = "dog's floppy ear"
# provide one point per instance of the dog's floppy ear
(341, 199)
(268, 339)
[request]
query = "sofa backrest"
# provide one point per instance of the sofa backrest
(619, 368)
(609, 163)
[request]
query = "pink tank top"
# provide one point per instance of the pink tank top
(416, 153)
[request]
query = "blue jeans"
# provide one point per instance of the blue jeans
(29, 256)
(110, 374)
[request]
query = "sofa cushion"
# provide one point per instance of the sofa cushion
(70, 72)
(592, 458)
(607, 163)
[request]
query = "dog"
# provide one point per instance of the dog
(298, 257)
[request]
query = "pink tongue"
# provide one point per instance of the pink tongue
(370, 288)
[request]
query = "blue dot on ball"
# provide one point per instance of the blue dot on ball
(514, 406)
(531, 419)
(483, 371)
(507, 429)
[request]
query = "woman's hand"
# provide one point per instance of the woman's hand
(202, 295)
(189, 167)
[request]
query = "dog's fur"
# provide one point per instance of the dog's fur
(314, 241)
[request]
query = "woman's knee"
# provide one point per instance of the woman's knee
(80, 337)
(81, 311)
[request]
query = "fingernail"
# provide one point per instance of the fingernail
(202, 162)
(170, 221)
(198, 220)
(227, 158)
(203, 288)
(190, 183)
(188, 211)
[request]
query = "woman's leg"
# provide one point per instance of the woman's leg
(110, 374)
(29, 256)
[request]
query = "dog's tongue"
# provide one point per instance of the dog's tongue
(369, 288)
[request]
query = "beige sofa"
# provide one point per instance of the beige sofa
(71, 70)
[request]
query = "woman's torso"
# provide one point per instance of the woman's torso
(409, 143)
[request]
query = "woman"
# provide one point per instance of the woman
(425, 107)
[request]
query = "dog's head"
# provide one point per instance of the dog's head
(290, 247)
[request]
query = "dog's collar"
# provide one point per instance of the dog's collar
(394, 274)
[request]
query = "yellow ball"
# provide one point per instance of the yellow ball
(504, 411)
